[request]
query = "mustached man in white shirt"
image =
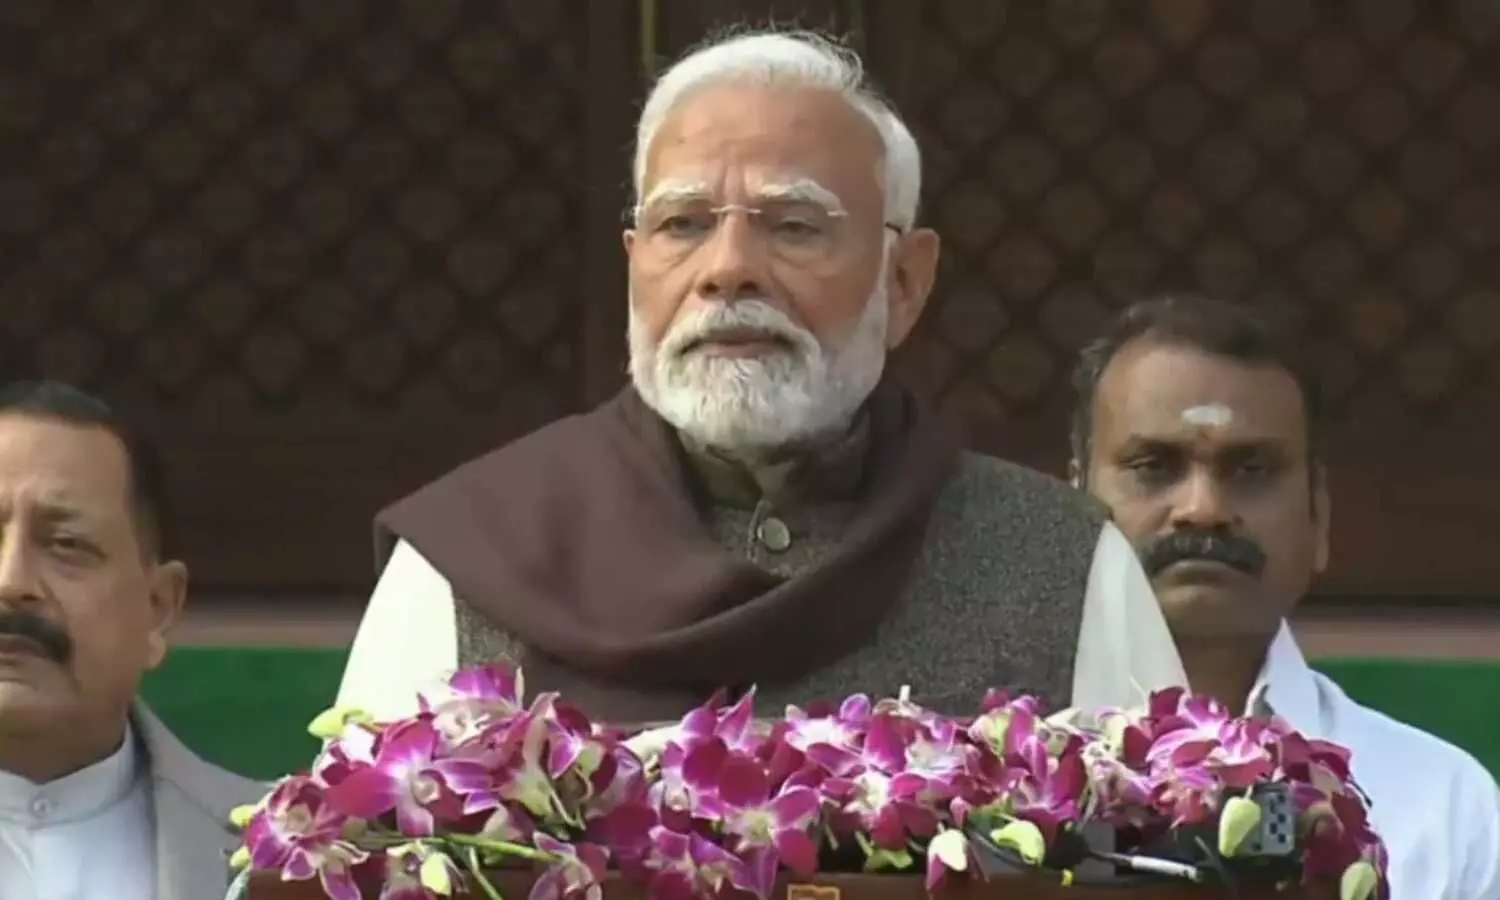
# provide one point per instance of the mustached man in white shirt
(1198, 426)
(97, 799)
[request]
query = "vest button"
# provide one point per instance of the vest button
(774, 534)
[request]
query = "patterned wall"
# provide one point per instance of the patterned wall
(327, 249)
(1338, 158)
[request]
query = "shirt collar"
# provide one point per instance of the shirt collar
(79, 795)
(1287, 686)
(826, 473)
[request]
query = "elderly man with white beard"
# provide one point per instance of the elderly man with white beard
(763, 506)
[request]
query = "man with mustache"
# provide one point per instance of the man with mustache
(97, 798)
(1200, 428)
(763, 506)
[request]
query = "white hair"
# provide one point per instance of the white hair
(794, 60)
(804, 393)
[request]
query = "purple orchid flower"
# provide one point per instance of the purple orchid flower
(474, 700)
(571, 745)
(408, 776)
(690, 867)
(526, 777)
(842, 728)
(417, 872)
(297, 832)
(741, 799)
(722, 803)
(578, 875)
(1048, 791)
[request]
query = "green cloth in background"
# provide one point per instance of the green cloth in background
(247, 708)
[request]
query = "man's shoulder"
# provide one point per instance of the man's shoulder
(211, 787)
(989, 485)
(1397, 747)
(488, 479)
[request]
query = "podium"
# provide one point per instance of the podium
(836, 886)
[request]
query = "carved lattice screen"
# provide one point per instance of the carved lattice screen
(325, 249)
(329, 248)
(1340, 157)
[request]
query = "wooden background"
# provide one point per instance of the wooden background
(325, 249)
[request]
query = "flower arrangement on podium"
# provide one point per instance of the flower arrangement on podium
(723, 803)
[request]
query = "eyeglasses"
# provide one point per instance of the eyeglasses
(800, 232)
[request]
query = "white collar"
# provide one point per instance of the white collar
(78, 795)
(1288, 685)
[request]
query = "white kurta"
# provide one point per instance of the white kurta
(86, 836)
(1435, 806)
(408, 638)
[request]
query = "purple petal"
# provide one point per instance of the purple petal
(699, 723)
(1202, 709)
(796, 807)
(702, 764)
(741, 783)
(339, 884)
(886, 830)
(907, 786)
(706, 853)
(463, 776)
(493, 682)
(797, 851)
(412, 818)
(836, 760)
(671, 846)
(884, 745)
(855, 710)
(299, 866)
(917, 821)
(550, 885)
(755, 874)
(367, 793)
(736, 721)
(409, 743)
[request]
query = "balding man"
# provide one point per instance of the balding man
(97, 798)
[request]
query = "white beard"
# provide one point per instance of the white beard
(800, 394)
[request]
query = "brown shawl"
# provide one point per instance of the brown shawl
(584, 542)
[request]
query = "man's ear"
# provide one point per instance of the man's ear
(169, 584)
(627, 237)
(913, 269)
(1322, 510)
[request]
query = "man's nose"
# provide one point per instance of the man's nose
(1201, 502)
(20, 570)
(733, 260)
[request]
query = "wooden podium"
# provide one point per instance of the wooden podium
(517, 885)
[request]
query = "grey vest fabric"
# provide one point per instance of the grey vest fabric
(995, 600)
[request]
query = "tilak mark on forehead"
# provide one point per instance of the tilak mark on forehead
(1209, 415)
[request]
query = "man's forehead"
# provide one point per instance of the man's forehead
(1168, 392)
(60, 465)
(740, 133)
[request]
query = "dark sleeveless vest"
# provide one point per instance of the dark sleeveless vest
(995, 600)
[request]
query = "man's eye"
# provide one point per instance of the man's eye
(679, 225)
(798, 228)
